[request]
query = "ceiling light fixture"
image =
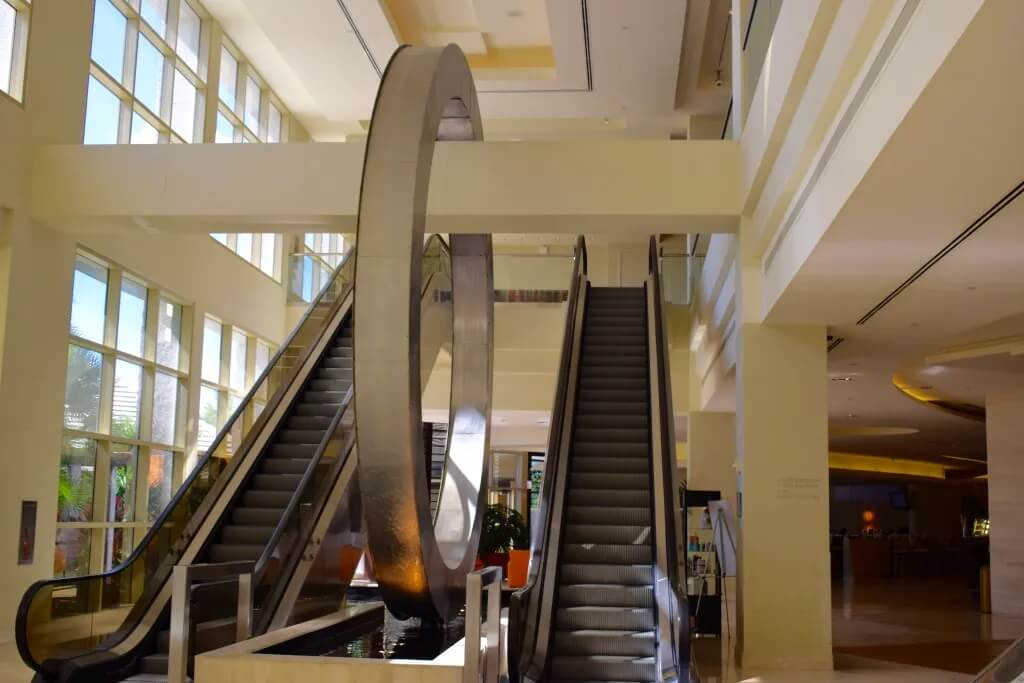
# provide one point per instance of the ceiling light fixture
(842, 378)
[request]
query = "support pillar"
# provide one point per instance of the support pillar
(1004, 436)
(711, 453)
(784, 593)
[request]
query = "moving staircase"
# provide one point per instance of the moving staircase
(248, 529)
(603, 599)
(271, 487)
(604, 607)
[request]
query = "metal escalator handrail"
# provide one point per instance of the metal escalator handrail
(527, 600)
(183, 490)
(673, 623)
(307, 476)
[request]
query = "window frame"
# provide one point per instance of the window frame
(100, 529)
(173, 62)
(19, 50)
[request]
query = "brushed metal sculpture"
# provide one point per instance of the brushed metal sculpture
(420, 563)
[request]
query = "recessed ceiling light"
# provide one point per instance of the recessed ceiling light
(843, 378)
(852, 416)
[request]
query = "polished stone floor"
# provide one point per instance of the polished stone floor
(893, 630)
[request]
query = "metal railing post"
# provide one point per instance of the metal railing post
(177, 653)
(180, 647)
(243, 624)
(471, 668)
(488, 578)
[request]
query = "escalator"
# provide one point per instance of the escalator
(267, 493)
(603, 601)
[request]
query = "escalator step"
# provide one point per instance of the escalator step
(266, 499)
(614, 359)
(334, 373)
(235, 534)
(154, 664)
(615, 371)
(602, 318)
(608, 514)
(303, 436)
(315, 396)
(284, 465)
(275, 482)
(592, 553)
(225, 552)
(610, 497)
(601, 341)
(613, 396)
(609, 407)
(598, 642)
(316, 422)
(613, 450)
(340, 351)
(336, 362)
(257, 516)
(605, 618)
(611, 435)
(163, 641)
(603, 668)
(616, 574)
(293, 450)
(328, 409)
(341, 385)
(605, 595)
(591, 463)
(613, 534)
(622, 482)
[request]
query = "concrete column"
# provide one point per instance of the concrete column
(1004, 436)
(711, 453)
(784, 599)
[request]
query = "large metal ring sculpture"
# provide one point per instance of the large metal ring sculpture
(420, 563)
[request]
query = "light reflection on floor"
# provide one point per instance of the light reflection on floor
(898, 630)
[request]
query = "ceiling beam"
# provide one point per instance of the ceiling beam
(609, 187)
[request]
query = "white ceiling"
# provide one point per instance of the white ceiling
(322, 58)
(954, 156)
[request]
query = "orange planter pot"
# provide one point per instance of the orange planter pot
(518, 568)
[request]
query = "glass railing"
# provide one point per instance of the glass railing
(309, 273)
(1007, 667)
(60, 619)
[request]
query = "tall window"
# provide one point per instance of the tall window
(248, 111)
(124, 416)
(147, 77)
(260, 249)
(14, 17)
(232, 361)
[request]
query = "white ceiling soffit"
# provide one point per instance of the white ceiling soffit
(616, 65)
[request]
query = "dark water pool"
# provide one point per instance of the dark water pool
(377, 635)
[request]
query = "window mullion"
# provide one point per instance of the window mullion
(101, 493)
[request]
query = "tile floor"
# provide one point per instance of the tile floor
(909, 631)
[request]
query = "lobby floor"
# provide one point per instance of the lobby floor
(921, 630)
(907, 631)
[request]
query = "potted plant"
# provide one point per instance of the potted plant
(502, 530)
